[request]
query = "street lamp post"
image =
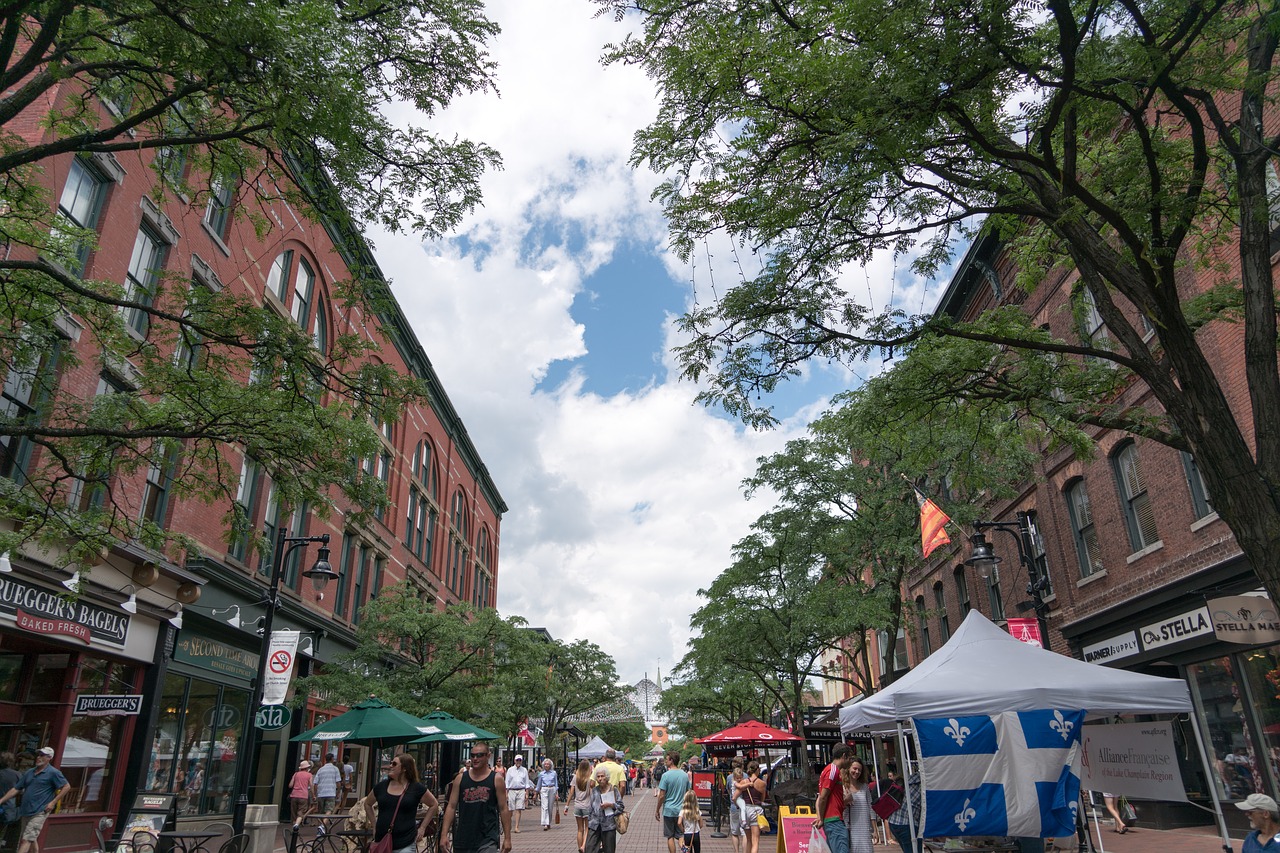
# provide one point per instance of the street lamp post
(985, 560)
(321, 573)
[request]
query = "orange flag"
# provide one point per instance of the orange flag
(933, 524)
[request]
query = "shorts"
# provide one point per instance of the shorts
(327, 804)
(753, 817)
(671, 827)
(486, 847)
(735, 821)
(579, 812)
(31, 826)
(517, 798)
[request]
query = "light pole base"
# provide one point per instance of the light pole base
(238, 815)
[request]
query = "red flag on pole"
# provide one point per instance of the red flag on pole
(933, 524)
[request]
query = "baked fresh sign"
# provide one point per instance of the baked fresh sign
(43, 611)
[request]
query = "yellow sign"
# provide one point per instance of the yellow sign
(794, 826)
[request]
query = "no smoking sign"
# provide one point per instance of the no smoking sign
(280, 661)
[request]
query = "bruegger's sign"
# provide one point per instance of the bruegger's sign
(43, 611)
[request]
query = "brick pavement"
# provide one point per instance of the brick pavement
(645, 836)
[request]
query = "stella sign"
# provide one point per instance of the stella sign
(1245, 619)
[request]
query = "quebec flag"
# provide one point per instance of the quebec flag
(1014, 773)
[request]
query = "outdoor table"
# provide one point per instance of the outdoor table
(361, 838)
(188, 842)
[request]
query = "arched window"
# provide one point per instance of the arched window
(1086, 535)
(940, 601)
(1138, 514)
(962, 591)
(293, 282)
(922, 620)
(482, 586)
(419, 531)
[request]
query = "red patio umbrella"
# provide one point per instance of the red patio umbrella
(750, 733)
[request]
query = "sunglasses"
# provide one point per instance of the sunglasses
(479, 755)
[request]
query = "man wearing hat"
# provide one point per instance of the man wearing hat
(1264, 817)
(517, 789)
(42, 787)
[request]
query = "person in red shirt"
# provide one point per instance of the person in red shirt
(830, 806)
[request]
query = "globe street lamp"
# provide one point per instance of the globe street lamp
(320, 574)
(985, 560)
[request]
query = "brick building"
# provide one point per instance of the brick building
(1139, 568)
(167, 642)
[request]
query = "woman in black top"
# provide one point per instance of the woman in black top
(403, 788)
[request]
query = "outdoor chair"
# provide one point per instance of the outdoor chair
(235, 844)
(102, 835)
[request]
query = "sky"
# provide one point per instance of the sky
(549, 317)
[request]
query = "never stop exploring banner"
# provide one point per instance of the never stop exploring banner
(1134, 759)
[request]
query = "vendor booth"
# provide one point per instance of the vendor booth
(982, 670)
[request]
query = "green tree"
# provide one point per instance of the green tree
(420, 659)
(578, 677)
(779, 608)
(1127, 142)
(255, 103)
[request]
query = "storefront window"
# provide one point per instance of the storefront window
(1262, 681)
(10, 675)
(196, 744)
(93, 748)
(1222, 713)
(49, 679)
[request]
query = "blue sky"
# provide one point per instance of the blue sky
(548, 316)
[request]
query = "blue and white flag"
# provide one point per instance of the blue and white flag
(1014, 773)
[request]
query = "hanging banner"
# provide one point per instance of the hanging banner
(1247, 619)
(279, 670)
(1026, 631)
(1135, 759)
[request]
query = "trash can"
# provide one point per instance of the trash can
(261, 822)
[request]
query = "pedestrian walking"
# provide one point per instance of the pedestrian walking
(617, 773)
(348, 778)
(398, 797)
(830, 805)
(857, 807)
(300, 789)
(691, 824)
(579, 796)
(672, 787)
(1264, 817)
(518, 784)
(548, 792)
(325, 785)
(478, 798)
(43, 787)
(602, 820)
(9, 820)
(752, 790)
(900, 821)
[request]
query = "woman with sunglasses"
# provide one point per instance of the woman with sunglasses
(398, 797)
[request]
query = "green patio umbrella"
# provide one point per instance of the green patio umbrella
(370, 723)
(450, 728)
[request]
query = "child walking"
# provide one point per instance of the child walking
(691, 821)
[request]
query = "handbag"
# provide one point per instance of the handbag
(623, 821)
(383, 844)
(888, 802)
(1127, 811)
(762, 822)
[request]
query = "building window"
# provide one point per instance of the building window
(1138, 514)
(994, 596)
(24, 389)
(303, 285)
(1039, 559)
(483, 582)
(81, 205)
(962, 591)
(1086, 535)
(89, 489)
(1200, 503)
(320, 329)
(142, 278)
(246, 507)
(361, 582)
(922, 620)
(155, 496)
(217, 213)
(350, 544)
(195, 736)
(278, 277)
(940, 602)
(1092, 330)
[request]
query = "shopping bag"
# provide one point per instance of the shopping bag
(818, 841)
(888, 802)
(1127, 811)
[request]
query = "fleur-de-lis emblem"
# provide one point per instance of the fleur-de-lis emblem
(957, 732)
(966, 814)
(1060, 725)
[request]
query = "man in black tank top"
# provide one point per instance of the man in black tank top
(478, 797)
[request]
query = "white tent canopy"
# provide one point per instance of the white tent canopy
(594, 748)
(983, 670)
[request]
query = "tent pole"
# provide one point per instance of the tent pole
(906, 790)
(875, 768)
(1213, 785)
(1097, 825)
